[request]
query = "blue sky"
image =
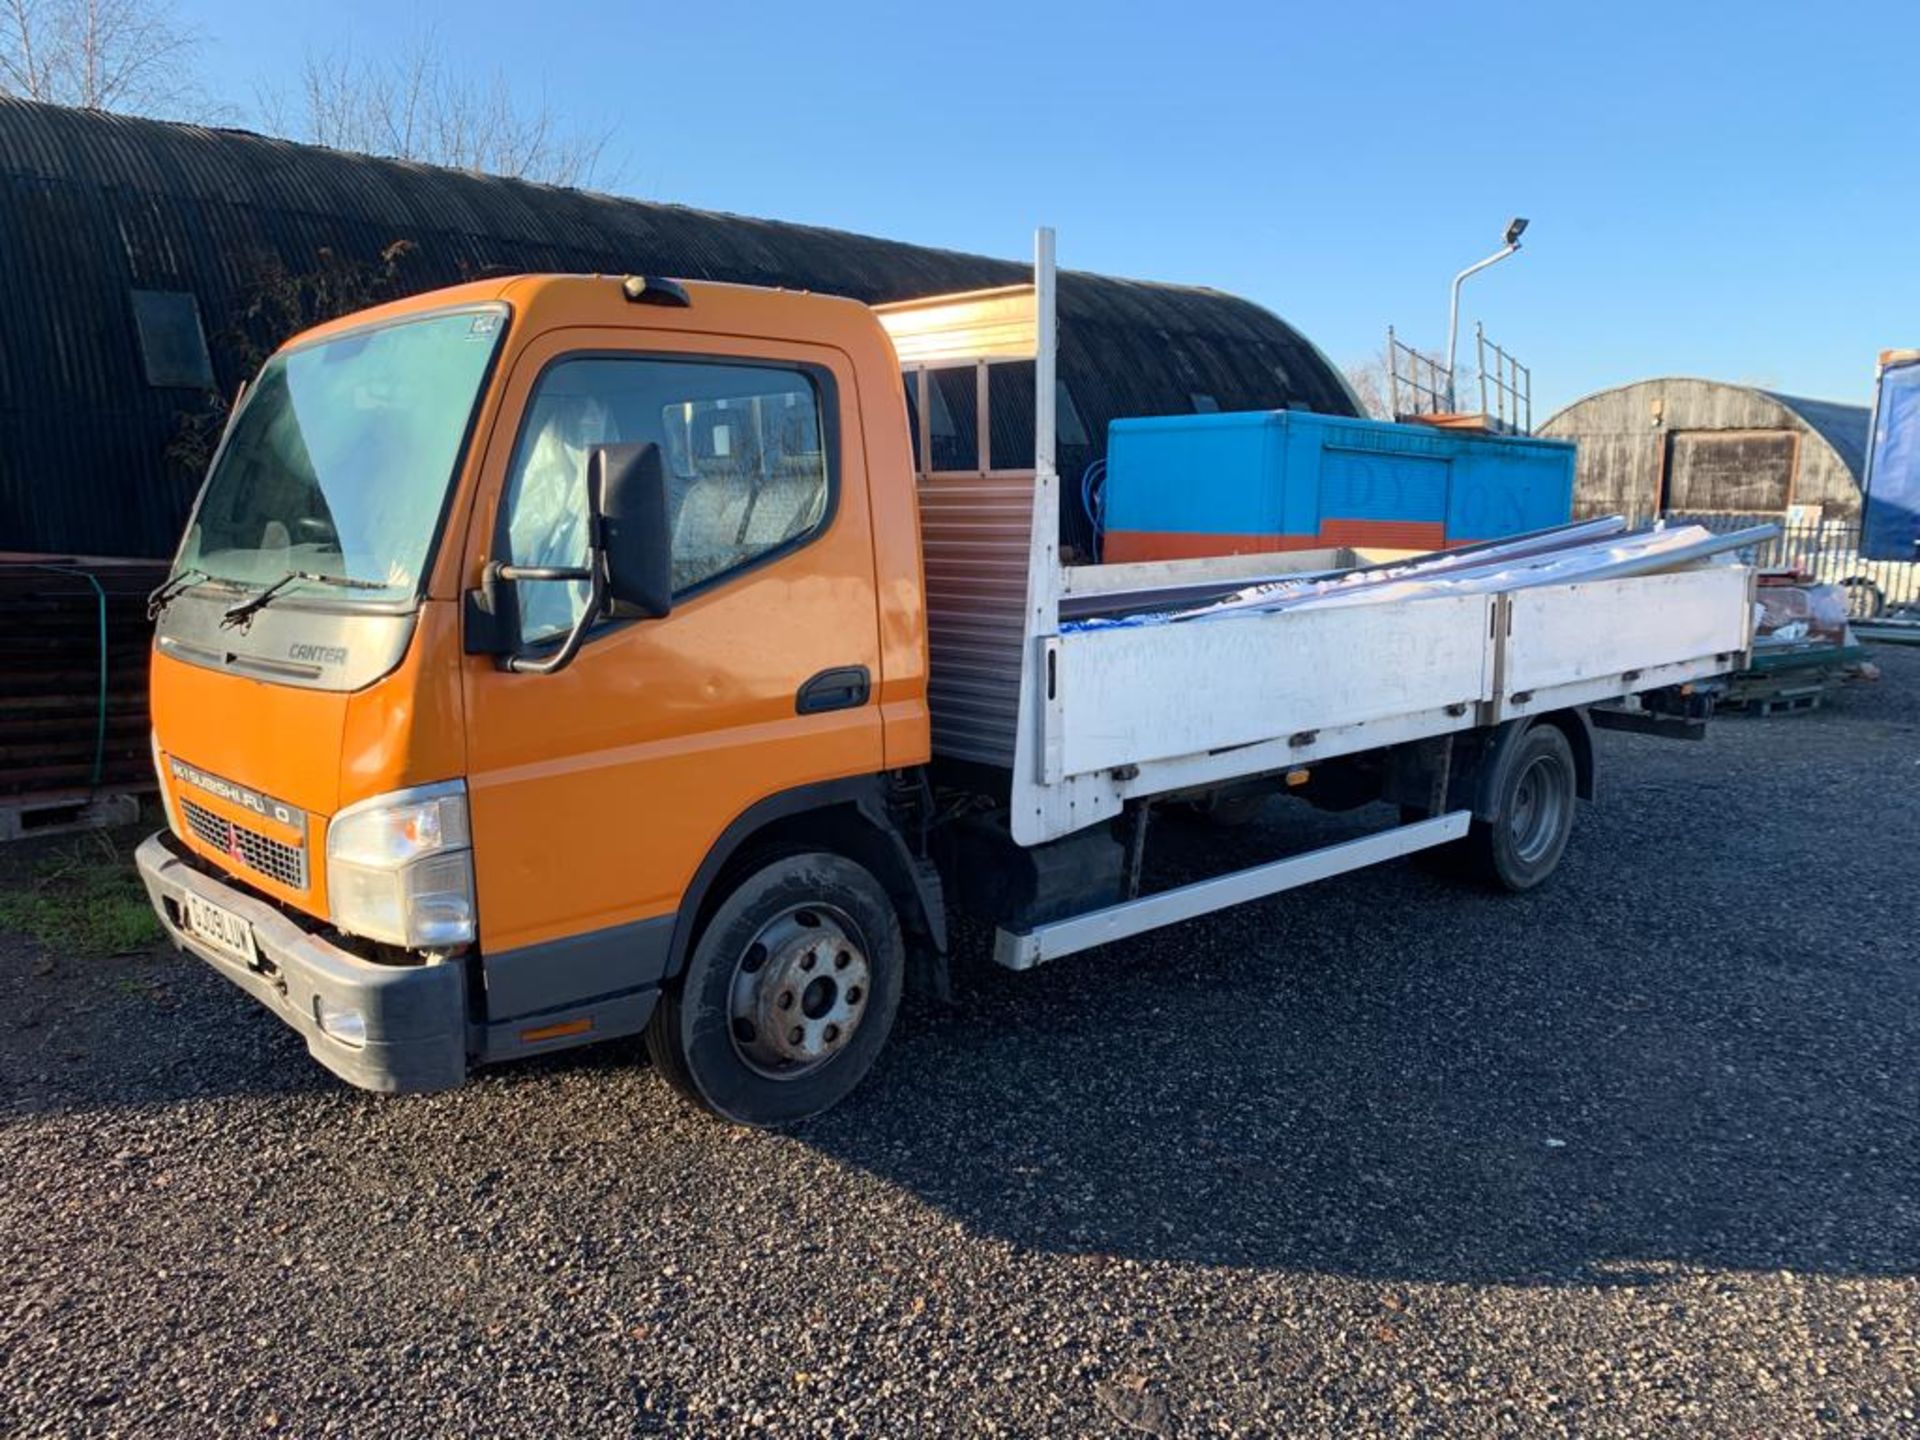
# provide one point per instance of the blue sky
(1730, 190)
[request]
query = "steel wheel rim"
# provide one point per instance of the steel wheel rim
(1538, 808)
(799, 991)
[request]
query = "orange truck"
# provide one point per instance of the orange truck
(557, 658)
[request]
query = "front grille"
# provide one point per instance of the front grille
(261, 854)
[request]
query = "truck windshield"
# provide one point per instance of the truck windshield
(339, 461)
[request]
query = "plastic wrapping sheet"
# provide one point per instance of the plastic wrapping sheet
(1789, 612)
(1517, 565)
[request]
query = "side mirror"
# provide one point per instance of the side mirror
(629, 490)
(628, 574)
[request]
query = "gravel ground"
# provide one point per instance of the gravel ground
(1634, 1154)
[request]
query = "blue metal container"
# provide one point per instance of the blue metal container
(1185, 485)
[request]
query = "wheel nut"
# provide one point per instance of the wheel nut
(796, 1035)
(842, 960)
(853, 995)
(832, 1034)
(786, 1000)
(806, 962)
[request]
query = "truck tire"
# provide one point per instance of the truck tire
(1523, 846)
(1533, 814)
(788, 995)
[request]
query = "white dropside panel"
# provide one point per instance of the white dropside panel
(1570, 643)
(1129, 696)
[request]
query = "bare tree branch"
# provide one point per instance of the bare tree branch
(1371, 380)
(414, 105)
(101, 54)
(23, 67)
(1368, 380)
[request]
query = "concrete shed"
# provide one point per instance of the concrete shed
(1705, 446)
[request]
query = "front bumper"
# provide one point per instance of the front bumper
(416, 1015)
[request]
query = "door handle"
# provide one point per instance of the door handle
(845, 687)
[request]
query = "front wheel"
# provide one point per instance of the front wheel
(788, 996)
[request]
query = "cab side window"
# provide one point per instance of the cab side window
(747, 449)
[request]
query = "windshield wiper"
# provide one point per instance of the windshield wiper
(165, 593)
(247, 608)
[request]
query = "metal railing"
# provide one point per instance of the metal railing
(1506, 387)
(1420, 384)
(1828, 550)
(1417, 384)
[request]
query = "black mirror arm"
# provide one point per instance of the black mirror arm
(594, 573)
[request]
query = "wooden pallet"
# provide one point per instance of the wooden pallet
(1778, 702)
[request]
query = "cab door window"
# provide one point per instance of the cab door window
(747, 448)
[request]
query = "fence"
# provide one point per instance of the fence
(1829, 550)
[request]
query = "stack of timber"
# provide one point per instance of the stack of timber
(74, 642)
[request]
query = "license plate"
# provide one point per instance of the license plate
(222, 929)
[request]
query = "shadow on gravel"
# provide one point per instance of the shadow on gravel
(1602, 1136)
(1700, 1047)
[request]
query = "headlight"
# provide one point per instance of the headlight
(400, 868)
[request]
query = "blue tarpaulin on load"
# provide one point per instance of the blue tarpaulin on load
(1891, 523)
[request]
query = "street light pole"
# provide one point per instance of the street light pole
(1516, 227)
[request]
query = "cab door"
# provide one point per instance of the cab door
(597, 791)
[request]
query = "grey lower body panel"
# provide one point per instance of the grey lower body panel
(556, 974)
(415, 1016)
(561, 993)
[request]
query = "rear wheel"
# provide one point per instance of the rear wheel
(1533, 811)
(788, 995)
(1533, 814)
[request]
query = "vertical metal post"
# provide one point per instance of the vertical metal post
(1393, 378)
(921, 384)
(1480, 362)
(1137, 846)
(1044, 389)
(1038, 680)
(982, 417)
(1873, 446)
(1453, 333)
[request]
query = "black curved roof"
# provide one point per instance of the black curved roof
(99, 206)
